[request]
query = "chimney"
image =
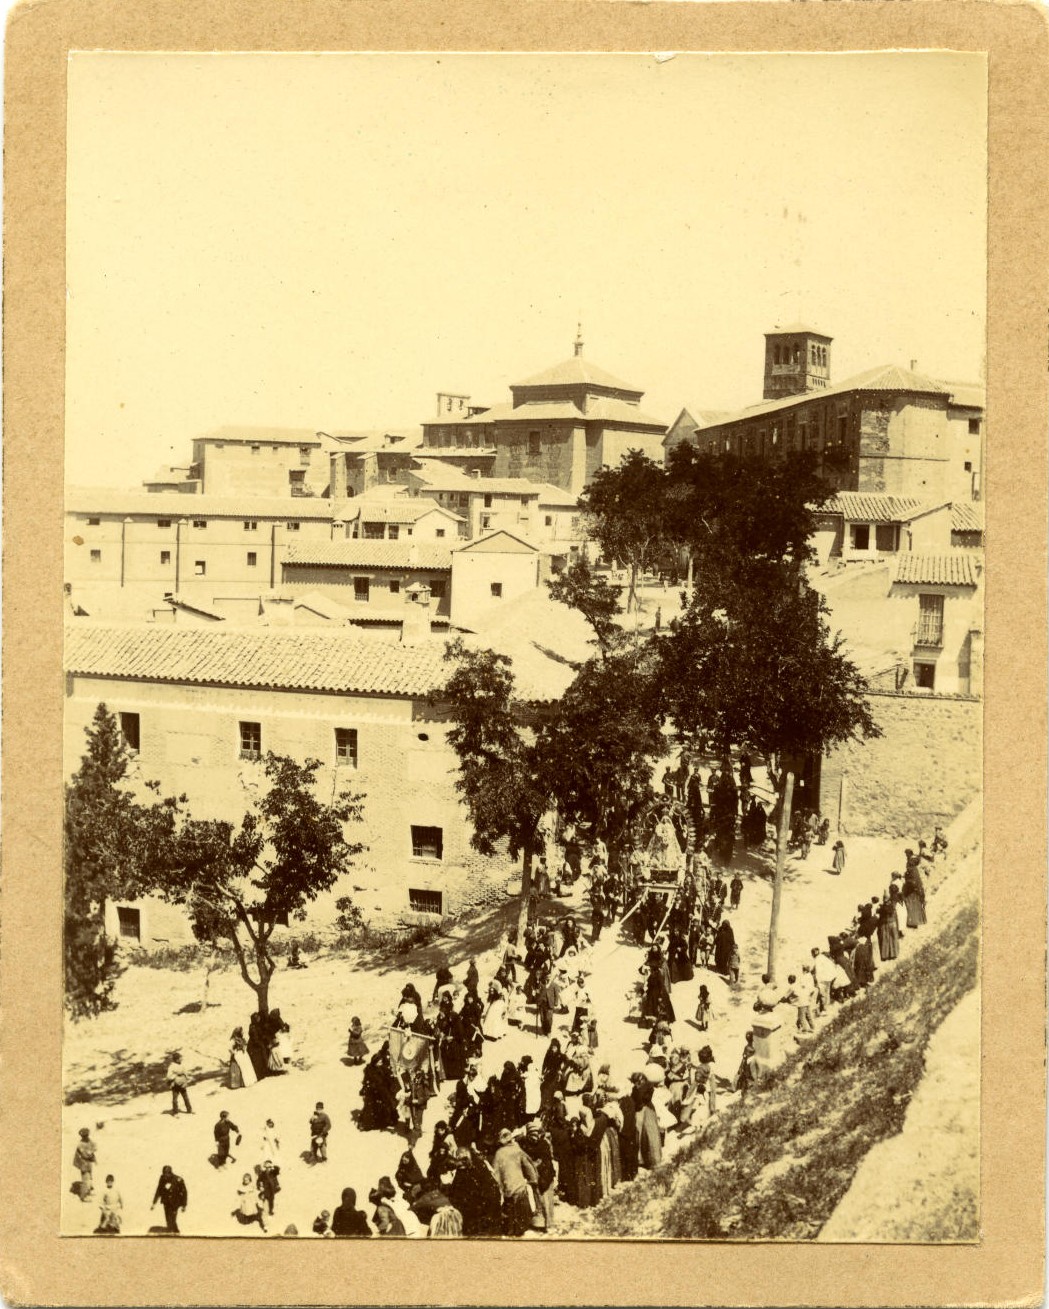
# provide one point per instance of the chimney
(415, 620)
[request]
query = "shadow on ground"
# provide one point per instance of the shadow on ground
(126, 1075)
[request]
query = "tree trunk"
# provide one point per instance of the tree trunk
(526, 893)
(782, 838)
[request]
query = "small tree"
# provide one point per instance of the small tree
(239, 883)
(502, 778)
(626, 515)
(107, 837)
(579, 587)
(753, 660)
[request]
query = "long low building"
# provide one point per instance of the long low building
(200, 707)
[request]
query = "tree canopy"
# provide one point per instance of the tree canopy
(580, 587)
(109, 837)
(626, 514)
(240, 882)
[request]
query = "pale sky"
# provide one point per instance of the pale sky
(327, 240)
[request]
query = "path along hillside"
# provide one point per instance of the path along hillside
(898, 1065)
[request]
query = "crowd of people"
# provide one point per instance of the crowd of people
(514, 1137)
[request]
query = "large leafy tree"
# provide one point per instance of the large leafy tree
(600, 746)
(752, 660)
(579, 587)
(502, 775)
(109, 836)
(240, 882)
(730, 512)
(625, 509)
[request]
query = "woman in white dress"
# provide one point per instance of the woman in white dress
(240, 1071)
(493, 1023)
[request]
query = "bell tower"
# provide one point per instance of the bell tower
(797, 360)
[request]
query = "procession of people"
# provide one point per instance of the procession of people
(501, 1109)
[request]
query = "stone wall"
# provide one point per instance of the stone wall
(924, 770)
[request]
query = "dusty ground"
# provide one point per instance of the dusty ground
(115, 1064)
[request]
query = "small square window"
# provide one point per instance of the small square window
(293, 527)
(94, 522)
(395, 585)
(925, 676)
(497, 590)
(200, 568)
(974, 427)
(250, 525)
(361, 589)
(861, 536)
(200, 522)
(488, 502)
(346, 746)
(486, 521)
(96, 556)
(165, 556)
(163, 522)
(130, 923)
(393, 532)
(253, 558)
(425, 902)
(437, 587)
(968, 465)
(129, 730)
(548, 520)
(427, 842)
(439, 532)
(251, 740)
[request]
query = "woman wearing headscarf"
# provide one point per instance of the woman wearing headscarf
(385, 1219)
(512, 1094)
(649, 1136)
(379, 1093)
(724, 944)
(657, 1003)
(240, 1070)
(348, 1220)
(475, 1192)
(553, 1062)
(466, 1110)
(408, 1173)
(442, 1152)
(914, 893)
(888, 933)
(471, 1013)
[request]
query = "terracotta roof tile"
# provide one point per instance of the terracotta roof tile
(177, 504)
(966, 517)
(874, 507)
(954, 569)
(307, 660)
(430, 555)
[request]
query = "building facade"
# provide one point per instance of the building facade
(889, 429)
(560, 427)
(200, 708)
(262, 461)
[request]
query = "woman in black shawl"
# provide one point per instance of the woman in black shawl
(512, 1095)
(378, 1093)
(492, 1120)
(451, 1048)
(657, 1003)
(553, 1063)
(680, 961)
(471, 1013)
(724, 944)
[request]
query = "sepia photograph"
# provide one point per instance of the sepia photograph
(523, 605)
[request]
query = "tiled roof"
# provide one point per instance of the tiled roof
(966, 517)
(451, 479)
(800, 327)
(573, 372)
(263, 435)
(402, 510)
(608, 409)
(886, 377)
(176, 504)
(874, 507)
(380, 443)
(307, 660)
(954, 569)
(407, 555)
(533, 411)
